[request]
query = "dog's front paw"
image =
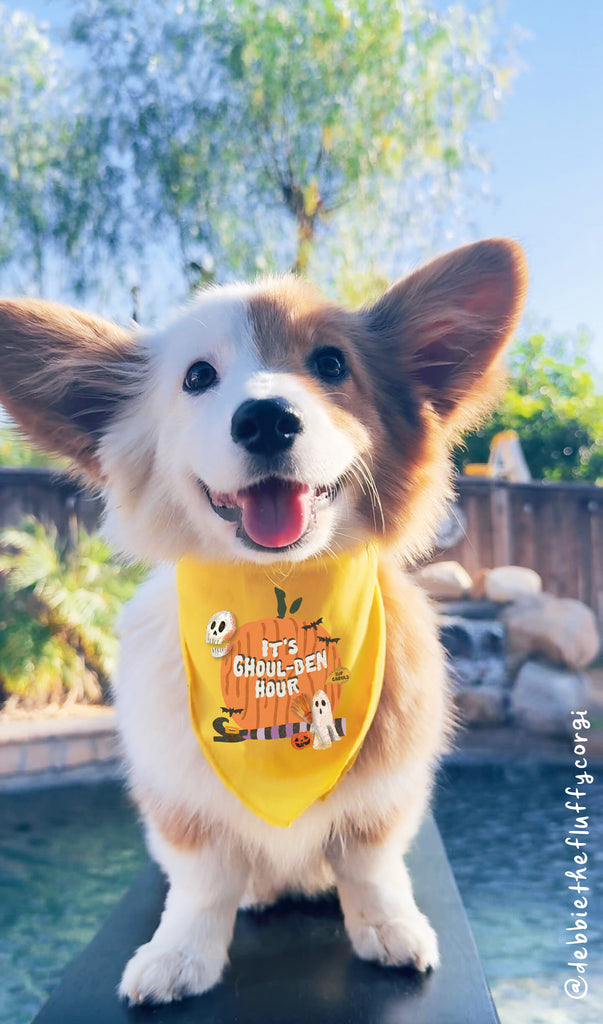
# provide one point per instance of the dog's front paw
(397, 942)
(159, 975)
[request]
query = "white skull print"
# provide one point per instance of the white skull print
(323, 725)
(220, 629)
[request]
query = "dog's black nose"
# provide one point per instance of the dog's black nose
(265, 426)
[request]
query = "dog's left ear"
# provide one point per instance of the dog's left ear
(64, 375)
(446, 325)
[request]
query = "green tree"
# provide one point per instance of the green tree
(29, 139)
(48, 165)
(245, 133)
(156, 118)
(555, 403)
(58, 605)
(342, 99)
(16, 451)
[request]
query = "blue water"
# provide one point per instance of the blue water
(67, 855)
(504, 830)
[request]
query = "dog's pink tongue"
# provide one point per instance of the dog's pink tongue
(275, 513)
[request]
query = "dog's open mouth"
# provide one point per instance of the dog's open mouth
(274, 513)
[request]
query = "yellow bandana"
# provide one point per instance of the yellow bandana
(281, 702)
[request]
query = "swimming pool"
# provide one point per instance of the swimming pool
(66, 856)
(504, 830)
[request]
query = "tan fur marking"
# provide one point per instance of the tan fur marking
(368, 832)
(414, 720)
(424, 366)
(181, 828)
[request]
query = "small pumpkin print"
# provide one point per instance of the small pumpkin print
(274, 662)
(299, 740)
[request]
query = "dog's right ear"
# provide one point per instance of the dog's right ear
(445, 327)
(64, 375)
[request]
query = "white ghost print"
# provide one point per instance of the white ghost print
(323, 725)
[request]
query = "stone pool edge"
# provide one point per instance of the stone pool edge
(41, 753)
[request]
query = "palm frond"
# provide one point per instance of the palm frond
(58, 606)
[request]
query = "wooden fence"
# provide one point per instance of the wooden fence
(50, 497)
(554, 528)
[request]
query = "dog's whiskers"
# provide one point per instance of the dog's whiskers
(360, 472)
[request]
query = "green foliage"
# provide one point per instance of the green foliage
(340, 101)
(355, 289)
(243, 135)
(555, 403)
(45, 170)
(16, 451)
(281, 603)
(58, 605)
(28, 133)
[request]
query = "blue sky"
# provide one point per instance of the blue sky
(547, 156)
(547, 152)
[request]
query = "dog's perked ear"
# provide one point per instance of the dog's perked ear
(445, 326)
(64, 375)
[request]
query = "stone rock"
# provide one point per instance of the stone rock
(472, 638)
(478, 672)
(543, 698)
(446, 581)
(561, 629)
(506, 583)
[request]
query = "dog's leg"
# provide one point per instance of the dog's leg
(188, 952)
(264, 887)
(381, 917)
(260, 894)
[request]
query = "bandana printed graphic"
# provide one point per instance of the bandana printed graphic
(280, 666)
(310, 685)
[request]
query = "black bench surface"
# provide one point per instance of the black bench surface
(292, 963)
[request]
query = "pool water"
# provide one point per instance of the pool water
(504, 829)
(67, 855)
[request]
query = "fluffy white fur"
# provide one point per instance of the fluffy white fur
(189, 949)
(165, 444)
(157, 452)
(80, 386)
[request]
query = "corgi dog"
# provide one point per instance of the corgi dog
(267, 433)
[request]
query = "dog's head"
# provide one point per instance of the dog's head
(267, 423)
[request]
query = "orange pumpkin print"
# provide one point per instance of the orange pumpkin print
(274, 661)
(299, 740)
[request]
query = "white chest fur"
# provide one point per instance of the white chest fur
(164, 757)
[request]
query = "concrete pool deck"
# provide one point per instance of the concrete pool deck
(82, 745)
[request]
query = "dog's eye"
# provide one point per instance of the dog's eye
(329, 363)
(199, 377)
